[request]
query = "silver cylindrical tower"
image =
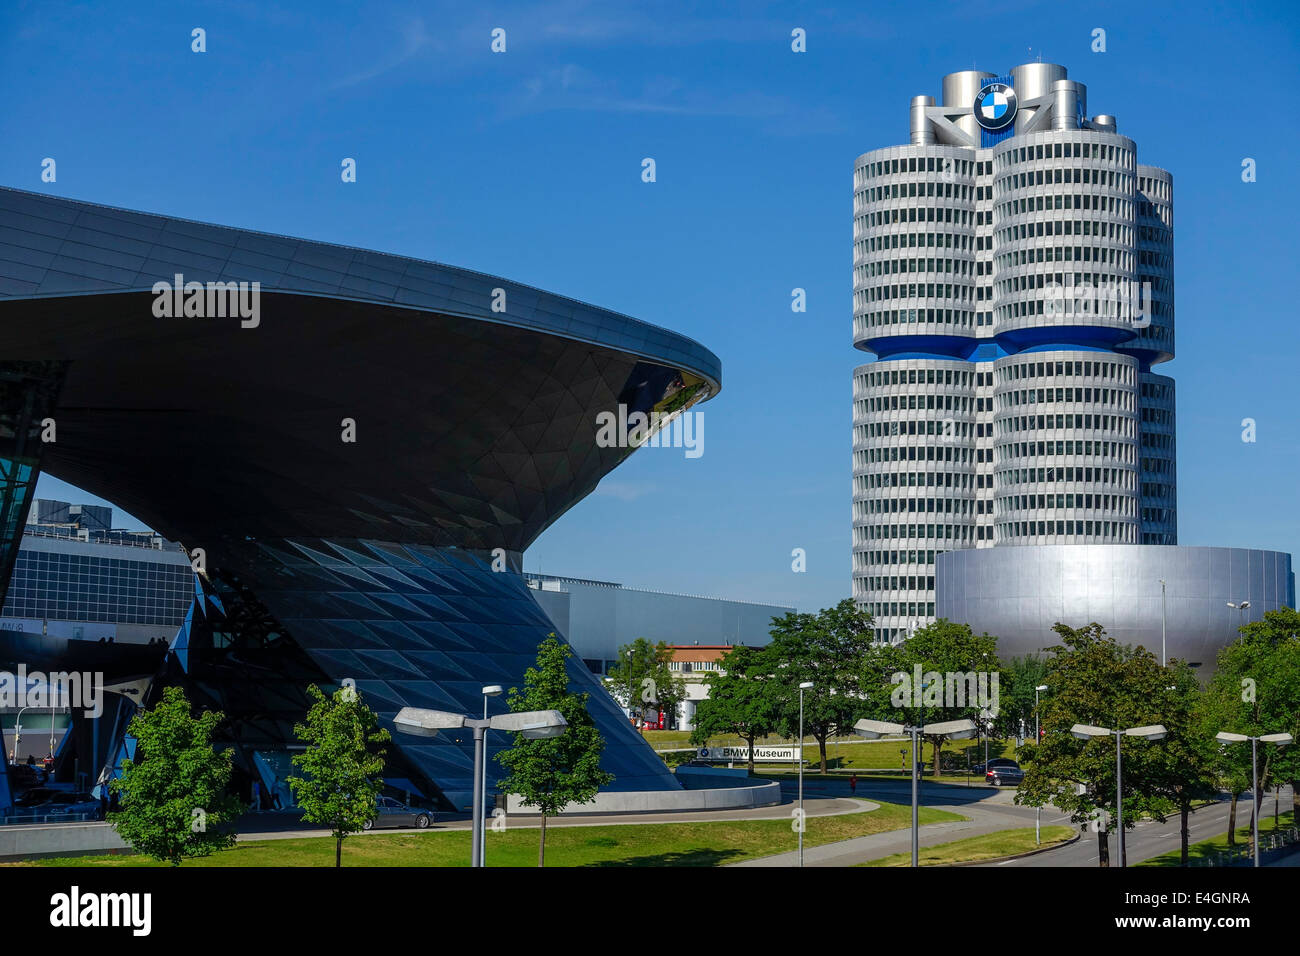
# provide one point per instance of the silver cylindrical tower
(922, 133)
(959, 90)
(1065, 104)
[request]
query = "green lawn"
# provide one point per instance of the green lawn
(1203, 851)
(991, 846)
(663, 844)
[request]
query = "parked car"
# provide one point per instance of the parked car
(34, 797)
(395, 813)
(997, 776)
(70, 805)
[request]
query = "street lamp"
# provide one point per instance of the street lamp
(986, 722)
(18, 731)
(1281, 740)
(1152, 732)
(875, 729)
(531, 724)
(492, 690)
(1038, 739)
(630, 692)
(806, 685)
(1242, 606)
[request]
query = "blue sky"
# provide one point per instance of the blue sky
(527, 164)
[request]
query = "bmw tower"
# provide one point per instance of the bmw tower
(1013, 275)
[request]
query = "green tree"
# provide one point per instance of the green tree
(1020, 675)
(342, 766)
(1256, 690)
(554, 772)
(642, 681)
(1096, 681)
(173, 793)
(741, 700)
(1184, 760)
(941, 649)
(829, 649)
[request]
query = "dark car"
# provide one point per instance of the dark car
(395, 813)
(997, 776)
(35, 797)
(73, 805)
(995, 762)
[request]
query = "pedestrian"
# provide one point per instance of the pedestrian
(853, 783)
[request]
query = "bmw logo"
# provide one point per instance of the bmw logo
(995, 106)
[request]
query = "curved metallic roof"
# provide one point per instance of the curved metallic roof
(472, 429)
(55, 246)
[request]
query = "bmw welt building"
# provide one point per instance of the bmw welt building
(1013, 443)
(355, 447)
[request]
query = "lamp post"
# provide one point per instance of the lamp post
(985, 723)
(1038, 739)
(18, 731)
(1242, 606)
(875, 729)
(492, 690)
(1150, 732)
(1281, 740)
(531, 724)
(630, 690)
(806, 685)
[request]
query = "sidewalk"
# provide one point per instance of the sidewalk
(987, 812)
(877, 845)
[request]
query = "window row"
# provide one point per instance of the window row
(959, 317)
(1119, 504)
(901, 609)
(1115, 451)
(1119, 477)
(874, 558)
(1106, 152)
(1109, 530)
(1117, 232)
(903, 266)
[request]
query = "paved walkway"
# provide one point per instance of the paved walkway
(988, 811)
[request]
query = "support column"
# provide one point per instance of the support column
(29, 392)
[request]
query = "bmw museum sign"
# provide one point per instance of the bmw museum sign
(995, 106)
(742, 753)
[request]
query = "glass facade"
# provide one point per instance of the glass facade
(117, 590)
(28, 393)
(408, 625)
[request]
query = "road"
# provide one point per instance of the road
(992, 809)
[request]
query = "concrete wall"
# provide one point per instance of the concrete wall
(69, 839)
(721, 791)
